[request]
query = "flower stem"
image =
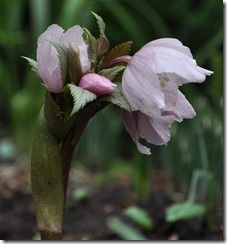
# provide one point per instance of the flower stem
(49, 235)
(69, 143)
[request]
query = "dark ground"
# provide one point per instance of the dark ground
(86, 220)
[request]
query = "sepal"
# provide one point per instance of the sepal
(80, 97)
(33, 63)
(122, 49)
(75, 71)
(111, 73)
(58, 122)
(63, 55)
(117, 98)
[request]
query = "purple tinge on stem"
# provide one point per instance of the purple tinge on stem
(150, 85)
(97, 84)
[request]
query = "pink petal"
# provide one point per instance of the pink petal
(97, 84)
(48, 67)
(184, 108)
(154, 130)
(53, 32)
(141, 87)
(84, 59)
(130, 126)
(73, 35)
(171, 57)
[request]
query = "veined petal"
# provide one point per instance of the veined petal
(184, 108)
(130, 125)
(141, 87)
(48, 67)
(155, 130)
(73, 35)
(181, 67)
(170, 43)
(84, 59)
(53, 32)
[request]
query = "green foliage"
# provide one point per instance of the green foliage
(80, 194)
(36, 237)
(117, 98)
(139, 216)
(120, 50)
(184, 211)
(125, 231)
(111, 72)
(33, 64)
(80, 97)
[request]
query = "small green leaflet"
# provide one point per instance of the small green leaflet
(140, 216)
(33, 63)
(125, 231)
(118, 51)
(80, 97)
(100, 23)
(75, 71)
(117, 98)
(62, 51)
(92, 45)
(184, 210)
(111, 72)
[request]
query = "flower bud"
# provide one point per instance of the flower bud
(97, 84)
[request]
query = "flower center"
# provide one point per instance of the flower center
(163, 78)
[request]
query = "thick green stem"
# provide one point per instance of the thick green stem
(46, 179)
(49, 235)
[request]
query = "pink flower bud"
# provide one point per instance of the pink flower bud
(48, 65)
(97, 84)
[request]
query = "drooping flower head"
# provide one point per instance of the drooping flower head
(150, 85)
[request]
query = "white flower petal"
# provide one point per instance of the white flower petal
(53, 32)
(130, 126)
(155, 130)
(73, 35)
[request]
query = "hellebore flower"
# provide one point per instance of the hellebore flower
(47, 57)
(150, 85)
(97, 84)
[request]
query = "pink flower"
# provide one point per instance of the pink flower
(97, 84)
(47, 58)
(150, 85)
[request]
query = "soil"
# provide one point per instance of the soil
(86, 219)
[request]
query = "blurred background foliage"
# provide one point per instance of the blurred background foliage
(195, 145)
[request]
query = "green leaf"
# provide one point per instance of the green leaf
(140, 216)
(120, 50)
(102, 41)
(101, 23)
(33, 63)
(117, 98)
(103, 46)
(75, 71)
(36, 237)
(80, 97)
(80, 194)
(92, 43)
(63, 54)
(111, 72)
(183, 211)
(123, 230)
